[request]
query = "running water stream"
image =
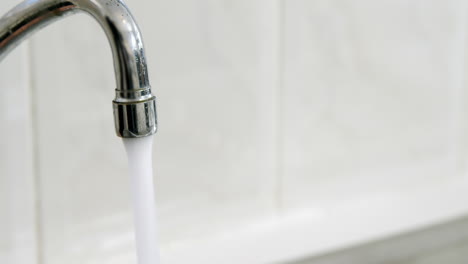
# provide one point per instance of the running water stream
(139, 154)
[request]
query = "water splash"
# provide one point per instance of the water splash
(139, 153)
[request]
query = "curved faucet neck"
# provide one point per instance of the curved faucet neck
(127, 48)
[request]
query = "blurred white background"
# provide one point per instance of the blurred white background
(287, 129)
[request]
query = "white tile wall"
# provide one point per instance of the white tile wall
(84, 194)
(264, 107)
(213, 69)
(369, 86)
(17, 192)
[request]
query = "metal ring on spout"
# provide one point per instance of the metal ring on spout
(135, 119)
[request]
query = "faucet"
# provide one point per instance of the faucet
(134, 105)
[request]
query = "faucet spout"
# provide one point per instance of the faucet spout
(134, 105)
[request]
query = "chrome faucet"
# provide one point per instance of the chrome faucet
(134, 105)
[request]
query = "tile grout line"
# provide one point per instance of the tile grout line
(279, 159)
(459, 126)
(35, 152)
